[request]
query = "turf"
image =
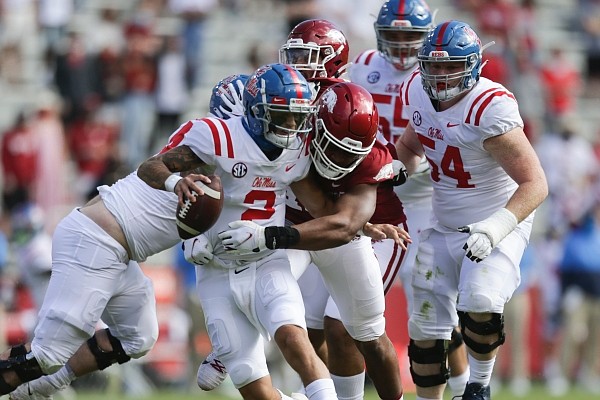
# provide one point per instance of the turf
(538, 393)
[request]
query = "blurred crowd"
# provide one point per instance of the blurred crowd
(112, 79)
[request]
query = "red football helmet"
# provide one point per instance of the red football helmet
(318, 47)
(345, 129)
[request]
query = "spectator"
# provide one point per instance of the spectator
(138, 103)
(92, 143)
(171, 90)
(52, 173)
(53, 17)
(580, 282)
(527, 86)
(516, 320)
(20, 147)
(33, 246)
(568, 181)
(76, 78)
(562, 85)
(194, 14)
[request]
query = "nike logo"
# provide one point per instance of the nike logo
(451, 125)
(288, 167)
(240, 270)
(335, 185)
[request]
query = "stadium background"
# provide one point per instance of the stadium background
(238, 35)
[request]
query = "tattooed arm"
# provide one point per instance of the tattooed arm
(158, 170)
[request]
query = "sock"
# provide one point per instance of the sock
(424, 398)
(457, 383)
(50, 384)
(481, 371)
(349, 387)
(321, 389)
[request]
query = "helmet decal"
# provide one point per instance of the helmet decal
(277, 103)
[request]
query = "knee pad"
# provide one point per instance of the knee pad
(493, 326)
(23, 364)
(244, 371)
(455, 341)
(105, 359)
(432, 355)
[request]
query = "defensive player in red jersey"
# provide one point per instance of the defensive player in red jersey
(350, 169)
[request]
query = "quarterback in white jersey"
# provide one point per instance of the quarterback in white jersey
(248, 296)
(487, 183)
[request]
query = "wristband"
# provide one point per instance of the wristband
(281, 237)
(497, 226)
(171, 182)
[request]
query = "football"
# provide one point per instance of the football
(198, 217)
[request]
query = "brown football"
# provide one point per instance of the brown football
(198, 217)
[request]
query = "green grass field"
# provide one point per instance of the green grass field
(537, 393)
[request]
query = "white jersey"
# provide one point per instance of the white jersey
(254, 186)
(146, 215)
(373, 72)
(469, 184)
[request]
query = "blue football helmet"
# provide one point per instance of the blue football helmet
(400, 28)
(450, 42)
(278, 109)
(226, 98)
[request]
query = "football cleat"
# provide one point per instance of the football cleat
(24, 392)
(475, 391)
(211, 373)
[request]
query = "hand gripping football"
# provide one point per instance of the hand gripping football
(198, 217)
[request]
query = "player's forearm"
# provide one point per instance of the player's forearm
(326, 232)
(154, 172)
(527, 198)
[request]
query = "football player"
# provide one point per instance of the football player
(487, 183)
(400, 29)
(320, 51)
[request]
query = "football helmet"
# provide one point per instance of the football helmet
(277, 104)
(226, 98)
(400, 28)
(450, 42)
(345, 129)
(317, 48)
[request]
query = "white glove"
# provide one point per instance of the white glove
(244, 237)
(198, 250)
(485, 235)
(232, 99)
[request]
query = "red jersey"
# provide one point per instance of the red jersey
(375, 168)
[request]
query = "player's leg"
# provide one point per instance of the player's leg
(353, 279)
(237, 343)
(75, 298)
(458, 364)
(346, 362)
(280, 310)
(314, 297)
(484, 289)
(212, 372)
(132, 331)
(433, 317)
